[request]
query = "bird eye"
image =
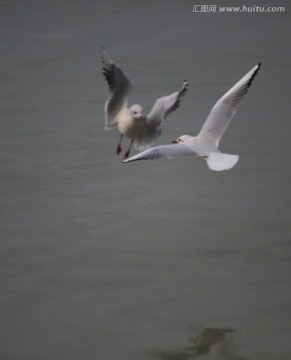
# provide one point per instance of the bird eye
(134, 112)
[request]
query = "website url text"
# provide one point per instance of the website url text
(237, 9)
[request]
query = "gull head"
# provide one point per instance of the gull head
(136, 112)
(182, 139)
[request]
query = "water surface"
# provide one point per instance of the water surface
(151, 260)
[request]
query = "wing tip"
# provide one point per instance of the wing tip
(185, 86)
(131, 159)
(259, 65)
(257, 68)
(105, 57)
(144, 155)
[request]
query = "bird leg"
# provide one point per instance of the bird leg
(118, 149)
(128, 151)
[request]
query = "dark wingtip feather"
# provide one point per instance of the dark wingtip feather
(181, 93)
(185, 85)
(254, 74)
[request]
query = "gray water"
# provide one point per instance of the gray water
(160, 260)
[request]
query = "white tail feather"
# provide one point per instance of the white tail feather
(219, 161)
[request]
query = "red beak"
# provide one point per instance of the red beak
(175, 142)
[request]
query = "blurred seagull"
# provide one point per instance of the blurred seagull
(205, 145)
(142, 130)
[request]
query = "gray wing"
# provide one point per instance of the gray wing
(161, 109)
(119, 86)
(165, 105)
(224, 110)
(164, 151)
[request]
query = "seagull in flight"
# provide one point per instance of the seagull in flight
(205, 144)
(130, 121)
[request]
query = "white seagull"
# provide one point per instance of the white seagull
(205, 144)
(142, 130)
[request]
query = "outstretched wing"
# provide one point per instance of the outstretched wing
(164, 151)
(224, 110)
(165, 105)
(161, 109)
(119, 86)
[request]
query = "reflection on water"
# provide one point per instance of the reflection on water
(216, 341)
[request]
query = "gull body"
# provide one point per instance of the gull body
(129, 124)
(205, 144)
(130, 121)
